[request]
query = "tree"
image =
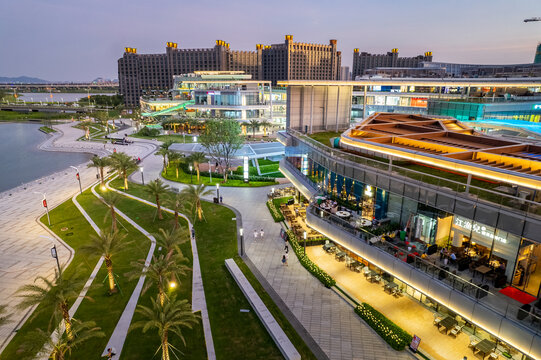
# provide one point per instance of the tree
(102, 118)
(168, 319)
(253, 124)
(194, 193)
(175, 158)
(163, 152)
(265, 124)
(107, 244)
(177, 203)
(157, 188)
(166, 144)
(57, 350)
(197, 158)
(171, 240)
(112, 198)
(52, 294)
(4, 318)
(222, 139)
(124, 165)
(159, 272)
(100, 164)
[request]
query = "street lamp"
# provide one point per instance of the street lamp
(44, 201)
(210, 172)
(304, 235)
(172, 285)
(218, 191)
(191, 174)
(142, 176)
(54, 253)
(78, 178)
(241, 232)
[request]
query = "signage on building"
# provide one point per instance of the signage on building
(479, 229)
(537, 107)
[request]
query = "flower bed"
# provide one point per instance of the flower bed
(389, 331)
(276, 213)
(322, 276)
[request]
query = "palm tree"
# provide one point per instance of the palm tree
(4, 318)
(52, 294)
(177, 203)
(253, 124)
(168, 318)
(194, 193)
(157, 188)
(159, 272)
(171, 240)
(112, 198)
(175, 158)
(167, 144)
(124, 165)
(163, 152)
(107, 244)
(100, 163)
(41, 342)
(265, 124)
(197, 158)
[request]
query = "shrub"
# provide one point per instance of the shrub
(389, 331)
(276, 213)
(145, 131)
(305, 261)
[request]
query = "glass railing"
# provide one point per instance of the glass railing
(477, 293)
(472, 193)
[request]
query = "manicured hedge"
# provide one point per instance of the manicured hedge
(186, 169)
(389, 331)
(275, 212)
(322, 276)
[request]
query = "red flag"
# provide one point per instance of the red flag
(44, 203)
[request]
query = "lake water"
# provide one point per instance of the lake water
(61, 97)
(21, 161)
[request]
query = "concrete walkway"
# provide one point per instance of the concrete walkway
(24, 254)
(199, 302)
(329, 319)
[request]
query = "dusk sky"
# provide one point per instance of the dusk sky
(72, 40)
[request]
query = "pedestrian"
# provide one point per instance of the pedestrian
(221, 199)
(284, 260)
(255, 235)
(262, 234)
(193, 233)
(287, 258)
(286, 247)
(104, 146)
(110, 353)
(114, 150)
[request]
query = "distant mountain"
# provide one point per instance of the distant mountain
(22, 80)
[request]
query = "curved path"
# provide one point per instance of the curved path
(24, 253)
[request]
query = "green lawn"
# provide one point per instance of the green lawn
(187, 178)
(15, 115)
(135, 348)
(325, 137)
(268, 168)
(47, 129)
(241, 334)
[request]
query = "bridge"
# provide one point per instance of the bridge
(47, 86)
(48, 108)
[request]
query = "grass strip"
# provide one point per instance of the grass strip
(187, 178)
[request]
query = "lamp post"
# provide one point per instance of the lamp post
(304, 235)
(241, 232)
(54, 253)
(218, 191)
(191, 174)
(78, 178)
(142, 176)
(44, 202)
(210, 172)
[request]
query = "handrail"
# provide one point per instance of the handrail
(533, 207)
(457, 283)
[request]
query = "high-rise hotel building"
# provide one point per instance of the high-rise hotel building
(363, 61)
(287, 61)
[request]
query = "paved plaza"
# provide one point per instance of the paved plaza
(24, 253)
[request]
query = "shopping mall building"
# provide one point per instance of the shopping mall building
(441, 185)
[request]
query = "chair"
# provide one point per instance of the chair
(456, 330)
(437, 320)
(493, 355)
(473, 342)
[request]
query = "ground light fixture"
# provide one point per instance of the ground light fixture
(191, 174)
(172, 285)
(142, 176)
(241, 232)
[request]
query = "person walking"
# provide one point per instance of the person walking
(221, 199)
(193, 233)
(110, 353)
(255, 235)
(287, 258)
(286, 246)
(262, 233)
(284, 260)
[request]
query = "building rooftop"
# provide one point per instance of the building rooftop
(448, 144)
(464, 82)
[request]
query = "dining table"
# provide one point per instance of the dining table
(343, 214)
(483, 269)
(448, 323)
(485, 347)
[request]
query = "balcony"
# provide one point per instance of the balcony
(492, 312)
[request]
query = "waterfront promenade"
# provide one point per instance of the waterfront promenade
(24, 251)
